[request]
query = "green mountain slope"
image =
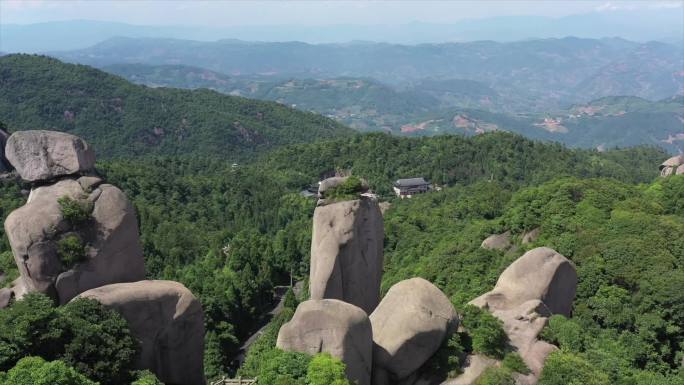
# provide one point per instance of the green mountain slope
(434, 106)
(120, 118)
(545, 73)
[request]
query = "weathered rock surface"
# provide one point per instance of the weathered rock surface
(335, 181)
(112, 251)
(473, 368)
(680, 169)
(540, 283)
(347, 253)
(540, 274)
(334, 327)
(531, 236)
(409, 325)
(4, 164)
(168, 321)
(672, 166)
(45, 155)
(497, 241)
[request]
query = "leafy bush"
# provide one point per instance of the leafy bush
(75, 211)
(515, 363)
(486, 331)
(36, 371)
(347, 190)
(71, 250)
(93, 340)
(495, 376)
(446, 362)
(8, 267)
(324, 369)
(280, 367)
(145, 377)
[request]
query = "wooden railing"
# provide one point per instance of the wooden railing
(235, 381)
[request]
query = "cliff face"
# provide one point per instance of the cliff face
(347, 253)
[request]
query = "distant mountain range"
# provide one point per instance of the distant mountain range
(536, 75)
(123, 119)
(431, 107)
(639, 25)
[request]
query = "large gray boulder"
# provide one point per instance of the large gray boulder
(335, 327)
(330, 183)
(39, 234)
(409, 326)
(672, 166)
(169, 323)
(347, 253)
(497, 241)
(540, 274)
(46, 155)
(540, 283)
(4, 164)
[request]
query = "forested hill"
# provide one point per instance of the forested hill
(121, 119)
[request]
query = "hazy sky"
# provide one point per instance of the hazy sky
(226, 13)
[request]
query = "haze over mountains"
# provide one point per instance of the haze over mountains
(642, 25)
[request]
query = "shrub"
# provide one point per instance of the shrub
(495, 376)
(515, 363)
(145, 377)
(446, 361)
(486, 331)
(75, 211)
(36, 371)
(349, 189)
(71, 250)
(324, 369)
(90, 338)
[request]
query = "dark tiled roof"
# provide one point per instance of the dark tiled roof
(410, 182)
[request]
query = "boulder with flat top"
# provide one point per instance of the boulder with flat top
(46, 155)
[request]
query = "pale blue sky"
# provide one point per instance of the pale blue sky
(232, 13)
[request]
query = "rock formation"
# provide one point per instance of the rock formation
(4, 164)
(168, 321)
(347, 252)
(44, 239)
(409, 326)
(77, 235)
(531, 236)
(330, 183)
(334, 327)
(75, 232)
(540, 274)
(672, 166)
(45, 155)
(534, 287)
(497, 241)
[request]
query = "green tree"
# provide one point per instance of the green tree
(486, 331)
(36, 371)
(324, 369)
(569, 369)
(495, 376)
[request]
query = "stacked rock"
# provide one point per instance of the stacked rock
(404, 329)
(77, 236)
(672, 166)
